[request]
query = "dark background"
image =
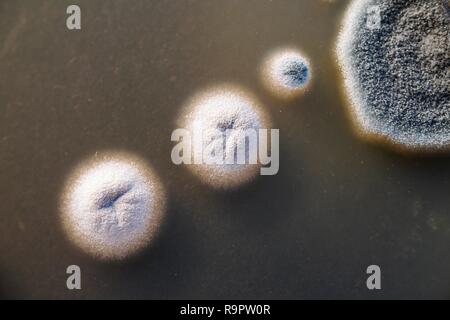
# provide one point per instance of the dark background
(337, 205)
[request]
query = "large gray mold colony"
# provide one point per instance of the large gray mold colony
(398, 75)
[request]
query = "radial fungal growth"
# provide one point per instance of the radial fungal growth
(222, 122)
(395, 58)
(286, 73)
(112, 206)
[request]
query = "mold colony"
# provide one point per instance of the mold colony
(397, 75)
(286, 73)
(223, 116)
(112, 206)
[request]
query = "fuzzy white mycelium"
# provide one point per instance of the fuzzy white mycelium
(286, 73)
(225, 116)
(112, 206)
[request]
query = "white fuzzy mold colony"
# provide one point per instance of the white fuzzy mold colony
(112, 206)
(286, 73)
(397, 73)
(221, 119)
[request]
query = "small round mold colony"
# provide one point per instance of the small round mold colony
(112, 206)
(395, 59)
(221, 119)
(286, 73)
